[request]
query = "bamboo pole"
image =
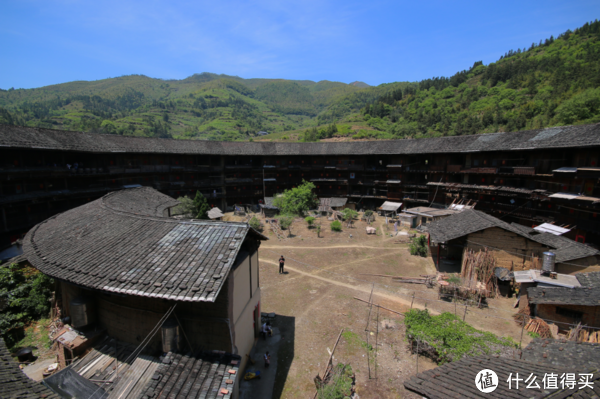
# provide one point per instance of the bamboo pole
(330, 357)
(389, 310)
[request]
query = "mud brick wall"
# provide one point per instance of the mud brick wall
(591, 315)
(516, 250)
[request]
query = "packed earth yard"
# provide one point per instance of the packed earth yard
(316, 298)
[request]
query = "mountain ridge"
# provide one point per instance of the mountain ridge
(551, 83)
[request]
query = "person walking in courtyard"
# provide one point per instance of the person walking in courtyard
(267, 359)
(281, 264)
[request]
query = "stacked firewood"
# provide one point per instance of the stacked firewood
(478, 272)
(581, 334)
(540, 327)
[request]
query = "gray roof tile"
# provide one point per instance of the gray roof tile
(121, 243)
(583, 296)
(200, 375)
(14, 384)
(470, 221)
(558, 137)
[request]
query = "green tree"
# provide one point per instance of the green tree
(584, 105)
(349, 215)
(201, 206)
(186, 207)
(318, 230)
(24, 296)
(286, 221)
(108, 127)
(297, 201)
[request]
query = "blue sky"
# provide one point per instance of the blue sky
(48, 42)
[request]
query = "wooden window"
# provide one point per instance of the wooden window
(569, 313)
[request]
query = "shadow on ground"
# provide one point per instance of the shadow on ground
(281, 350)
(287, 328)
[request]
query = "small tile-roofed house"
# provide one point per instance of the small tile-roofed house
(14, 384)
(390, 208)
(426, 215)
(569, 305)
(513, 245)
(268, 209)
(132, 264)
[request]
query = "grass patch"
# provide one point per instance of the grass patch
(36, 338)
(355, 342)
(446, 338)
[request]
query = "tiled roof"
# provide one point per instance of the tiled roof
(457, 379)
(584, 296)
(566, 249)
(391, 206)
(142, 201)
(556, 137)
(524, 229)
(467, 222)
(14, 384)
(471, 221)
(570, 355)
(118, 243)
(203, 375)
(591, 279)
(336, 202)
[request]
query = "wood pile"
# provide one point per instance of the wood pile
(478, 267)
(581, 334)
(539, 326)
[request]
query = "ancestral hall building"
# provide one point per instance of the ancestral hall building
(529, 177)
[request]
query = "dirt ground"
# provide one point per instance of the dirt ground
(315, 300)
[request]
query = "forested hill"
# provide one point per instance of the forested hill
(553, 82)
(204, 106)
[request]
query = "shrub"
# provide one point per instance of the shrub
(369, 215)
(309, 220)
(418, 246)
(336, 225)
(255, 223)
(285, 221)
(318, 230)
